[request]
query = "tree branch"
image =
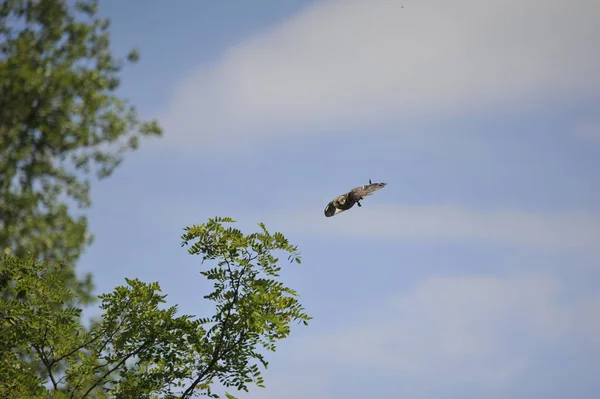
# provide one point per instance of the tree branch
(99, 352)
(109, 372)
(79, 347)
(47, 365)
(215, 356)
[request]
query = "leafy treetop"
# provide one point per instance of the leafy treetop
(139, 349)
(59, 119)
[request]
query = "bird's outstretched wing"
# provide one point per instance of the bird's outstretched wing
(359, 193)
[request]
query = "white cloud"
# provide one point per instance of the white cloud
(571, 231)
(449, 331)
(346, 64)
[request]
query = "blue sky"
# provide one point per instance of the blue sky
(474, 273)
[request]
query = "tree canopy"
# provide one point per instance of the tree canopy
(60, 121)
(140, 348)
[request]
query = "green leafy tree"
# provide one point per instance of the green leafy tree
(60, 121)
(139, 348)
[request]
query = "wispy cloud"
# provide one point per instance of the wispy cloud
(552, 231)
(343, 64)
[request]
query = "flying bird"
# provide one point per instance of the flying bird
(354, 196)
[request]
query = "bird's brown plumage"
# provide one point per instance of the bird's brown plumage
(346, 201)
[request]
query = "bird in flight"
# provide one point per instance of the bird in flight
(354, 196)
